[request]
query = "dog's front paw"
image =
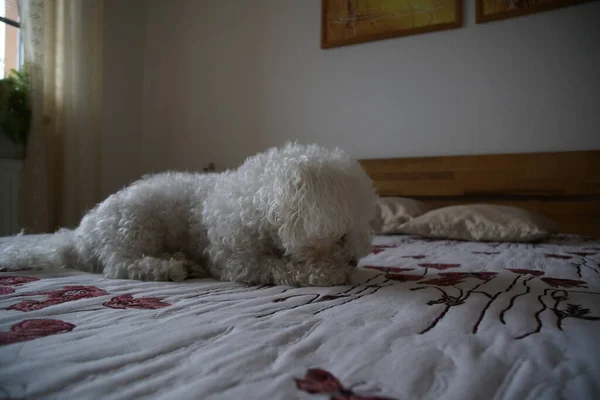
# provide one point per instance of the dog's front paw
(333, 280)
(192, 270)
(177, 271)
(196, 271)
(312, 280)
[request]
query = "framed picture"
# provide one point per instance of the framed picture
(345, 22)
(493, 10)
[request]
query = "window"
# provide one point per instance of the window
(11, 54)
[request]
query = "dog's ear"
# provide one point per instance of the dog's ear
(289, 200)
(292, 233)
(309, 206)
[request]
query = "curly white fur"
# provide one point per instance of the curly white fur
(297, 215)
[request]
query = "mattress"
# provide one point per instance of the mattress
(422, 319)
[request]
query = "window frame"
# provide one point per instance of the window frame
(20, 52)
(10, 22)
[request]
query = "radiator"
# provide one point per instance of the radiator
(10, 194)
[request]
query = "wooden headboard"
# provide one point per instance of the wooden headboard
(563, 186)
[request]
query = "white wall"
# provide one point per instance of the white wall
(123, 67)
(225, 79)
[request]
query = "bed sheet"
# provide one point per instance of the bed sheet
(422, 319)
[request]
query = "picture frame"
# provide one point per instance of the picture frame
(494, 10)
(346, 22)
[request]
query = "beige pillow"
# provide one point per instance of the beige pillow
(481, 222)
(392, 212)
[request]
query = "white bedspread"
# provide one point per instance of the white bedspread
(424, 320)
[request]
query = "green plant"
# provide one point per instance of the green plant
(15, 106)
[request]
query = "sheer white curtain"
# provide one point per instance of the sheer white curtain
(63, 49)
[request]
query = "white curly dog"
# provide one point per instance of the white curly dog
(298, 215)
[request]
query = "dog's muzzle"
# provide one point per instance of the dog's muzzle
(353, 262)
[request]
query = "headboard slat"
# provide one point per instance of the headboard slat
(564, 186)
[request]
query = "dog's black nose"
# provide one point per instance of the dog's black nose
(353, 262)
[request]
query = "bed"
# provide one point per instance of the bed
(422, 318)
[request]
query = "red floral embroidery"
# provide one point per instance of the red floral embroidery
(443, 281)
(17, 280)
(558, 256)
(31, 305)
(567, 283)
(71, 293)
(440, 266)
(319, 381)
(66, 294)
(484, 276)
(452, 278)
(6, 290)
(127, 301)
(532, 272)
(387, 269)
(404, 277)
(582, 253)
(33, 329)
(379, 248)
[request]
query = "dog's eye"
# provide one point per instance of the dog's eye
(343, 239)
